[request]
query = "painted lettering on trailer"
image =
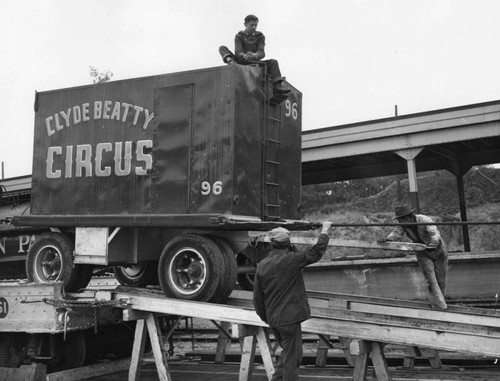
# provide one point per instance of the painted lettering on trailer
(84, 160)
(8, 246)
(98, 110)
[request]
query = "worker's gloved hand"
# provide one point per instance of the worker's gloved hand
(325, 227)
(431, 248)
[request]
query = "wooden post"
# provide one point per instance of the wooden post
(247, 358)
(32, 372)
(344, 344)
(222, 342)
(360, 349)
(322, 352)
(433, 357)
(150, 324)
(411, 353)
(266, 351)
(251, 336)
(379, 362)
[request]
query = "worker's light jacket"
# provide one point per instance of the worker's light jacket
(429, 234)
(279, 290)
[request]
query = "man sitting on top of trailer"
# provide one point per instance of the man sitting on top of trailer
(249, 48)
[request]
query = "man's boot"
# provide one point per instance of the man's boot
(278, 88)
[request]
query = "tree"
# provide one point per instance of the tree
(100, 75)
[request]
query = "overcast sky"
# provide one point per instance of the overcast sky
(353, 60)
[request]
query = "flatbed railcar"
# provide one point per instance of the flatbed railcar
(162, 177)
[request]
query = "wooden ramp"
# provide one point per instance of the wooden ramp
(366, 323)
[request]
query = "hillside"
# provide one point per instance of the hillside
(438, 193)
(373, 200)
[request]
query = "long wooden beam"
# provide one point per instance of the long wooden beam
(446, 334)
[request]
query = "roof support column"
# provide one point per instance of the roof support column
(409, 155)
(459, 169)
(463, 211)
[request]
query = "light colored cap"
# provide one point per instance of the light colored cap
(279, 235)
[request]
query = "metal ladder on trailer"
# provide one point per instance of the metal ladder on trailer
(272, 155)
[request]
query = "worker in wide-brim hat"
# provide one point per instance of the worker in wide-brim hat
(280, 297)
(434, 260)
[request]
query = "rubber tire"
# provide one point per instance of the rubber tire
(148, 275)
(73, 277)
(244, 280)
(71, 352)
(12, 349)
(228, 280)
(210, 253)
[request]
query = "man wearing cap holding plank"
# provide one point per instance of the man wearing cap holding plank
(434, 260)
(280, 297)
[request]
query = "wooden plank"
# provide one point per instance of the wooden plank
(247, 358)
(89, 371)
(345, 343)
(339, 299)
(441, 316)
(322, 352)
(411, 353)
(394, 246)
(433, 356)
(266, 352)
(352, 324)
(210, 311)
(158, 351)
(32, 372)
(324, 299)
(134, 372)
(379, 362)
(222, 343)
(359, 347)
(450, 341)
(360, 367)
(243, 330)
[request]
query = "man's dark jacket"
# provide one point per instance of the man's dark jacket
(254, 43)
(279, 291)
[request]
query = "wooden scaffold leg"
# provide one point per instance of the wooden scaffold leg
(251, 336)
(412, 352)
(222, 342)
(324, 345)
(150, 324)
(361, 349)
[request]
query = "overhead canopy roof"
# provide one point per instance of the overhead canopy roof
(454, 139)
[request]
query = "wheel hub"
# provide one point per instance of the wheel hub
(188, 271)
(49, 267)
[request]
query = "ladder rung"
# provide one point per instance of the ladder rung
(272, 205)
(272, 162)
(272, 184)
(275, 119)
(274, 140)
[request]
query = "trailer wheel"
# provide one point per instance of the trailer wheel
(228, 280)
(50, 259)
(191, 267)
(70, 352)
(12, 353)
(245, 280)
(140, 274)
